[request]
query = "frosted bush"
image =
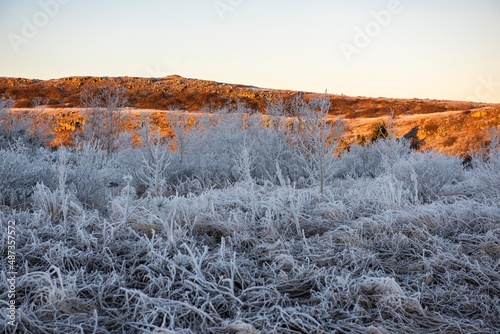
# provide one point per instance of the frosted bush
(20, 171)
(104, 116)
(486, 175)
(214, 151)
(90, 172)
(431, 175)
(31, 127)
(153, 172)
(372, 160)
(316, 138)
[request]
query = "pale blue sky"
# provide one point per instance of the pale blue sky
(446, 49)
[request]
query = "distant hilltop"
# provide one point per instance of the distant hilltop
(177, 92)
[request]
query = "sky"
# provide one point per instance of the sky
(437, 49)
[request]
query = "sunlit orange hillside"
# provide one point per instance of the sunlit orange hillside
(448, 126)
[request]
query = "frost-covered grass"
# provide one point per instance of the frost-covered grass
(241, 240)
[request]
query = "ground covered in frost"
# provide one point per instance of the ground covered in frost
(230, 236)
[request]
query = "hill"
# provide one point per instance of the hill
(448, 126)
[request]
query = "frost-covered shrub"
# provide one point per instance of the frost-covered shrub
(371, 160)
(21, 170)
(430, 175)
(427, 175)
(55, 204)
(315, 138)
(215, 149)
(369, 196)
(486, 168)
(104, 116)
(218, 142)
(32, 127)
(151, 163)
(90, 173)
(153, 172)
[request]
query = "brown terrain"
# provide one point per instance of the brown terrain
(448, 126)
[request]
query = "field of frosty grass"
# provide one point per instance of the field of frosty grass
(230, 233)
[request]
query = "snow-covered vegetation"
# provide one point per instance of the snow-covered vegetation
(245, 224)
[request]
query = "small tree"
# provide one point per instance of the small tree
(178, 121)
(90, 172)
(317, 137)
(154, 168)
(39, 124)
(104, 117)
(283, 163)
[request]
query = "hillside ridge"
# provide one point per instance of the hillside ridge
(453, 127)
(194, 94)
